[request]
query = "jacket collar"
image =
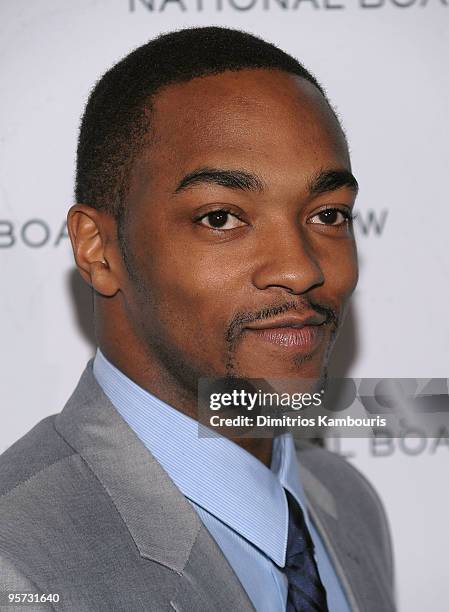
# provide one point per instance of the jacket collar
(131, 476)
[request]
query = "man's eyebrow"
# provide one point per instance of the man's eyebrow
(234, 179)
(331, 180)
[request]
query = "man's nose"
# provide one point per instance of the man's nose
(287, 260)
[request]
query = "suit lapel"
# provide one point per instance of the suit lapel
(162, 523)
(344, 533)
(323, 513)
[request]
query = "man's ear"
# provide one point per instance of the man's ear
(93, 236)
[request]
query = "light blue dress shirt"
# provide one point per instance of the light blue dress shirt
(241, 501)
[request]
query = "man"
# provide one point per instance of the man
(214, 224)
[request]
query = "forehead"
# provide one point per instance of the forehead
(268, 121)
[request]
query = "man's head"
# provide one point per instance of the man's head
(216, 190)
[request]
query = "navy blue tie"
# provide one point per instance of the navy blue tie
(306, 592)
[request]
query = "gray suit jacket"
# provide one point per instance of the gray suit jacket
(88, 513)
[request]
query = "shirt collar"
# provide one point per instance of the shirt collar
(213, 472)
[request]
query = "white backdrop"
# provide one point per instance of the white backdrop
(385, 66)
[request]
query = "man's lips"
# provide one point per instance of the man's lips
(290, 331)
(287, 320)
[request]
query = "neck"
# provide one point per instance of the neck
(261, 448)
(160, 383)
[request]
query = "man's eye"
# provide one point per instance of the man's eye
(332, 216)
(221, 220)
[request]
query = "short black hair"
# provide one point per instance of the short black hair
(117, 118)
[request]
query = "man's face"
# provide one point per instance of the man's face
(229, 243)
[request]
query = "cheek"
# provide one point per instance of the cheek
(192, 290)
(340, 269)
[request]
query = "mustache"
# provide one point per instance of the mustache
(241, 319)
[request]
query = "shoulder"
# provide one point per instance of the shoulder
(38, 450)
(341, 478)
(41, 477)
(61, 532)
(354, 503)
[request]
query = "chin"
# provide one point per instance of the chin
(298, 366)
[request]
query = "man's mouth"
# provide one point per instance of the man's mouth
(290, 331)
